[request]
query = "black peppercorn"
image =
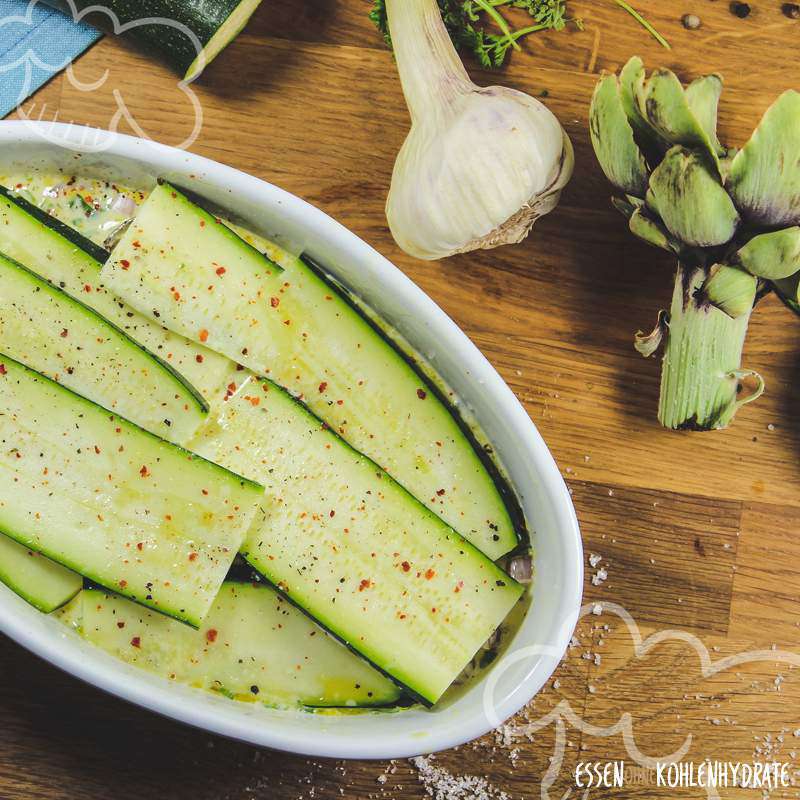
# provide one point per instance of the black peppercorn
(791, 10)
(740, 10)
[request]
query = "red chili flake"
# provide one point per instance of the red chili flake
(433, 610)
(274, 301)
(231, 387)
(3, 369)
(322, 387)
(140, 546)
(401, 616)
(136, 641)
(64, 333)
(136, 243)
(203, 335)
(440, 492)
(287, 322)
(87, 288)
(144, 472)
(204, 491)
(124, 263)
(120, 625)
(211, 634)
(406, 566)
(429, 573)
(199, 358)
(97, 450)
(254, 401)
(365, 584)
(220, 271)
(422, 394)
(202, 223)
(123, 583)
(340, 402)
(192, 556)
(459, 586)
(332, 514)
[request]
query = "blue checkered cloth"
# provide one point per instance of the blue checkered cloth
(36, 42)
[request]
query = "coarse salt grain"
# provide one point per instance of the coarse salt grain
(443, 785)
(599, 577)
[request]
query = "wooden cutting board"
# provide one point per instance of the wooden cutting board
(696, 532)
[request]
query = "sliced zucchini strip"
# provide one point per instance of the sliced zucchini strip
(109, 500)
(42, 582)
(57, 335)
(181, 265)
(68, 260)
(253, 645)
(350, 546)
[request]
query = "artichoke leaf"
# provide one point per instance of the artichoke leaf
(691, 201)
(664, 104)
(788, 289)
(625, 207)
(612, 139)
(764, 176)
(702, 97)
(731, 289)
(631, 81)
(651, 231)
(773, 255)
(648, 343)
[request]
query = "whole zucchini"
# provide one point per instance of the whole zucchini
(187, 34)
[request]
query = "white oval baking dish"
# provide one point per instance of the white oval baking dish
(544, 634)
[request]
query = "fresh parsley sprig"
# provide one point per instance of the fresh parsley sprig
(464, 20)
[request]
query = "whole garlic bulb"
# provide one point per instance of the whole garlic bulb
(479, 165)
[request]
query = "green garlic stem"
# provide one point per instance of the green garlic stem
(431, 72)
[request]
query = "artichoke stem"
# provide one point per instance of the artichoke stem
(702, 383)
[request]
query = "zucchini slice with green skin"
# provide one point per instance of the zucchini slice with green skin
(45, 584)
(105, 498)
(60, 255)
(178, 261)
(213, 24)
(253, 645)
(351, 547)
(57, 335)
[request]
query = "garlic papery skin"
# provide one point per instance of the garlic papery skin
(479, 165)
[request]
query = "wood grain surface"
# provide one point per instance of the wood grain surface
(697, 532)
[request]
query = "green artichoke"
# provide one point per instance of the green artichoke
(731, 217)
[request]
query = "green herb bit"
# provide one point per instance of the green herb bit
(644, 23)
(464, 22)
